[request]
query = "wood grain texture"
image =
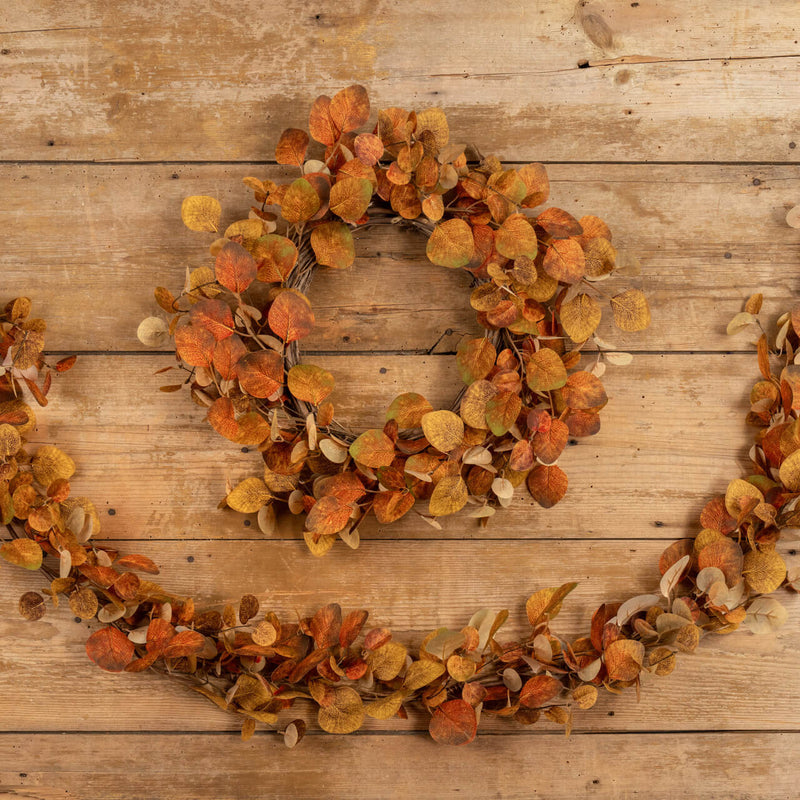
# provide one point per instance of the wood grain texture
(188, 80)
(732, 682)
(605, 767)
(709, 86)
(672, 436)
(100, 238)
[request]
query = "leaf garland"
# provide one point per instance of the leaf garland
(238, 323)
(247, 661)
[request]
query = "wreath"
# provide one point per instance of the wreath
(536, 282)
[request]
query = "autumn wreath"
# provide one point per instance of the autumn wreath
(535, 275)
(249, 662)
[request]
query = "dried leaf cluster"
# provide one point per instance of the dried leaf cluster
(22, 363)
(247, 661)
(237, 325)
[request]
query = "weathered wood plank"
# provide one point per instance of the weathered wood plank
(89, 243)
(182, 767)
(412, 588)
(677, 81)
(673, 435)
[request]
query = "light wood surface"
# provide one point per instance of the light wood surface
(657, 766)
(188, 97)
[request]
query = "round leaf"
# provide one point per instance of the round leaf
(516, 238)
(764, 572)
(201, 213)
(260, 373)
(564, 260)
(408, 409)
(449, 496)
(235, 268)
(290, 316)
(249, 496)
(546, 371)
(451, 244)
(443, 429)
(276, 256)
(350, 198)
(547, 484)
(631, 310)
(345, 713)
(580, 317)
(310, 383)
(110, 649)
(373, 449)
(624, 659)
(332, 243)
(300, 202)
(23, 553)
(453, 722)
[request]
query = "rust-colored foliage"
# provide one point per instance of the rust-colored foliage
(237, 326)
(249, 662)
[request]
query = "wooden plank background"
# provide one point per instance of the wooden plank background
(675, 121)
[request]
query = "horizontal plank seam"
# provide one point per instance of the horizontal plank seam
(418, 352)
(492, 734)
(212, 163)
(633, 60)
(51, 30)
(401, 539)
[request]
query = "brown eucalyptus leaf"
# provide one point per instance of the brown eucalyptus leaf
(564, 261)
(300, 202)
(235, 268)
(345, 713)
(309, 383)
(321, 124)
(110, 649)
(559, 224)
(333, 245)
(292, 147)
(201, 213)
(580, 317)
(421, 673)
(475, 359)
(545, 371)
(261, 373)
(385, 707)
(582, 390)
(449, 496)
(32, 606)
(290, 316)
(249, 496)
(328, 516)
(631, 310)
(23, 553)
(443, 429)
(547, 484)
(387, 660)
(624, 659)
(408, 409)
(451, 244)
(51, 464)
(539, 690)
(764, 571)
(350, 198)
(275, 256)
(349, 108)
(516, 238)
(373, 448)
(453, 722)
